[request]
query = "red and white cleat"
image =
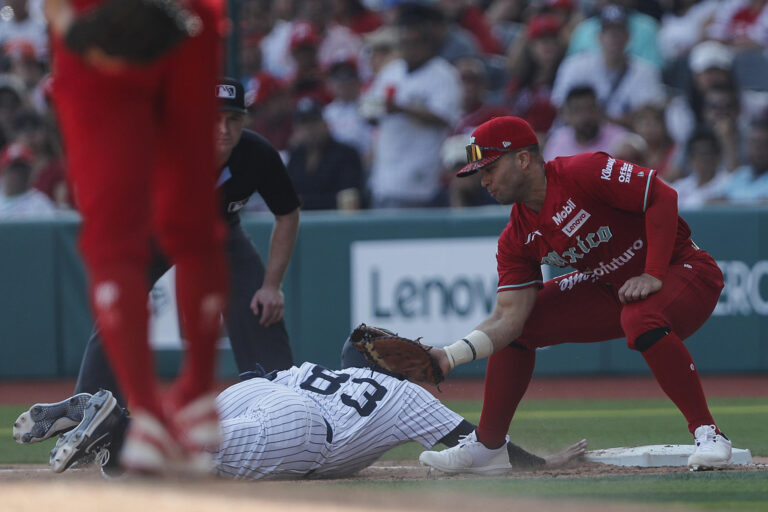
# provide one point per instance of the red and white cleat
(149, 447)
(198, 432)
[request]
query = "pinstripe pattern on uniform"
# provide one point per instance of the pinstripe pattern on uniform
(406, 412)
(277, 429)
(269, 431)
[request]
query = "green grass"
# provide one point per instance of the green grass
(10, 451)
(545, 426)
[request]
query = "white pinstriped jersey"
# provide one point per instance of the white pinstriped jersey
(314, 422)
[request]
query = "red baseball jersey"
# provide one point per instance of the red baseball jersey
(592, 220)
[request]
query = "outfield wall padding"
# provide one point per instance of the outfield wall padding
(45, 321)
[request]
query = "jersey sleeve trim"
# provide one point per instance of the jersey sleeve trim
(647, 189)
(516, 286)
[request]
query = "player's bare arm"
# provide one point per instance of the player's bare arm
(418, 112)
(269, 298)
(497, 331)
(660, 227)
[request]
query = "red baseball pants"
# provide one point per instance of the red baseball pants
(141, 159)
(572, 308)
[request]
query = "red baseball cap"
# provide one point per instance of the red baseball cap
(304, 33)
(262, 87)
(543, 25)
(493, 138)
(14, 152)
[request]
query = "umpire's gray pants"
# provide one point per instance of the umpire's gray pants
(251, 342)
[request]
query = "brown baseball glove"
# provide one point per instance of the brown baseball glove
(397, 354)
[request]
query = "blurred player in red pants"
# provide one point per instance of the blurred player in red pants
(141, 158)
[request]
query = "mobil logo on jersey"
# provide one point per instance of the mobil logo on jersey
(575, 223)
(564, 212)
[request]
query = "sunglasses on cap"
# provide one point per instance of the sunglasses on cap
(475, 152)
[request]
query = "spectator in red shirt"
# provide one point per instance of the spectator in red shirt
(271, 109)
(535, 70)
(308, 80)
(355, 16)
(473, 20)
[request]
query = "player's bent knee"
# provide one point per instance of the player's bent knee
(648, 339)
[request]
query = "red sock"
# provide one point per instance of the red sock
(506, 378)
(119, 297)
(675, 372)
(201, 283)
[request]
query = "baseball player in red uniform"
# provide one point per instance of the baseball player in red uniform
(638, 275)
(141, 159)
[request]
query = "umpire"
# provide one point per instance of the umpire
(254, 318)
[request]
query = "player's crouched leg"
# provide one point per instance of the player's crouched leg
(674, 370)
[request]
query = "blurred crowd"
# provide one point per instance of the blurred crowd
(371, 102)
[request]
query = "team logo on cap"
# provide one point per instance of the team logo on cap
(226, 91)
(506, 143)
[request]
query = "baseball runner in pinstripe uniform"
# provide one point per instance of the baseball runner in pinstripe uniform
(311, 421)
(304, 422)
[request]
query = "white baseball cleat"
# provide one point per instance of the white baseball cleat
(713, 450)
(42, 421)
(101, 418)
(469, 456)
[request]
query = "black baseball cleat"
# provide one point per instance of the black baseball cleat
(42, 421)
(102, 418)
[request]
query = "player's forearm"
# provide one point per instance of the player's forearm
(497, 331)
(281, 247)
(493, 334)
(421, 114)
(660, 229)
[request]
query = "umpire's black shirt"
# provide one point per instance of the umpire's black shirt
(255, 166)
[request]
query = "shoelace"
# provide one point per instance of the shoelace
(102, 456)
(709, 436)
(464, 440)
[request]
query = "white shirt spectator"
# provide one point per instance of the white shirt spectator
(348, 126)
(31, 30)
(692, 195)
(678, 34)
(406, 165)
(32, 204)
(639, 85)
(338, 43)
(275, 51)
(731, 26)
(681, 120)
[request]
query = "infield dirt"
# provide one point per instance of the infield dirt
(34, 488)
